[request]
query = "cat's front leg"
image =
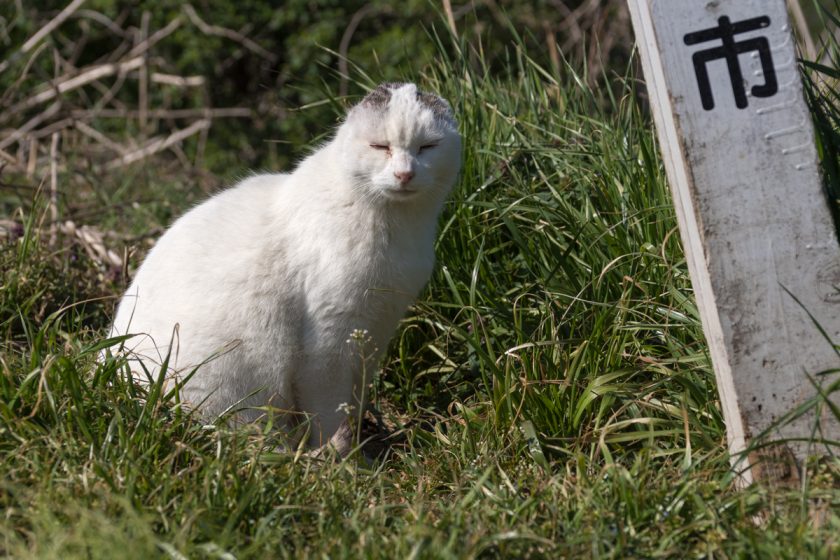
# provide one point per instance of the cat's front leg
(327, 391)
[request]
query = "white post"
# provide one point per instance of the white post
(739, 151)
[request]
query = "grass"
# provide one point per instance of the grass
(551, 391)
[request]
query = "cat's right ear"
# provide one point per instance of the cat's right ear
(378, 97)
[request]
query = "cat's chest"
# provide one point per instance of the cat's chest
(351, 269)
(350, 266)
(370, 262)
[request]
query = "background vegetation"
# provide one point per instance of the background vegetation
(549, 396)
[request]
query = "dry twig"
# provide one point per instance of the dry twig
(159, 145)
(92, 240)
(53, 189)
(177, 81)
(43, 32)
(23, 130)
(143, 81)
(207, 29)
(47, 110)
(70, 83)
(99, 137)
(218, 113)
(155, 38)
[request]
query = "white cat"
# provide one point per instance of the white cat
(273, 275)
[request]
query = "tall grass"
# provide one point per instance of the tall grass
(551, 392)
(821, 88)
(563, 261)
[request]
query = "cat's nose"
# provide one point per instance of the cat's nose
(404, 176)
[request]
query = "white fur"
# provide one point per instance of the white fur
(273, 275)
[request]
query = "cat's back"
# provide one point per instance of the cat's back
(237, 209)
(216, 231)
(204, 254)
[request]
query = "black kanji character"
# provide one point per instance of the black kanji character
(726, 31)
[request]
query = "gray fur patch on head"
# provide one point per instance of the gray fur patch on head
(437, 105)
(379, 97)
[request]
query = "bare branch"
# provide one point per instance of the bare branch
(48, 130)
(53, 188)
(33, 158)
(92, 240)
(109, 94)
(155, 37)
(179, 81)
(102, 19)
(99, 137)
(10, 158)
(43, 32)
(143, 83)
(228, 34)
(13, 88)
(159, 145)
(86, 77)
(224, 112)
(55, 22)
(49, 112)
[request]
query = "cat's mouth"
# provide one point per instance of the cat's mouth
(400, 193)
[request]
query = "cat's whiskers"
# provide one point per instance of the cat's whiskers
(367, 193)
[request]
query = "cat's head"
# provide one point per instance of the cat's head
(401, 144)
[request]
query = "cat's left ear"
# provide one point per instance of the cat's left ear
(439, 107)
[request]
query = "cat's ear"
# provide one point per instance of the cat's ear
(439, 107)
(376, 101)
(379, 96)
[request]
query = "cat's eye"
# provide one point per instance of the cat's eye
(425, 147)
(383, 147)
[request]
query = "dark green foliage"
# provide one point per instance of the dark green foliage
(299, 92)
(821, 81)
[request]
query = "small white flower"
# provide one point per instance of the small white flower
(345, 408)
